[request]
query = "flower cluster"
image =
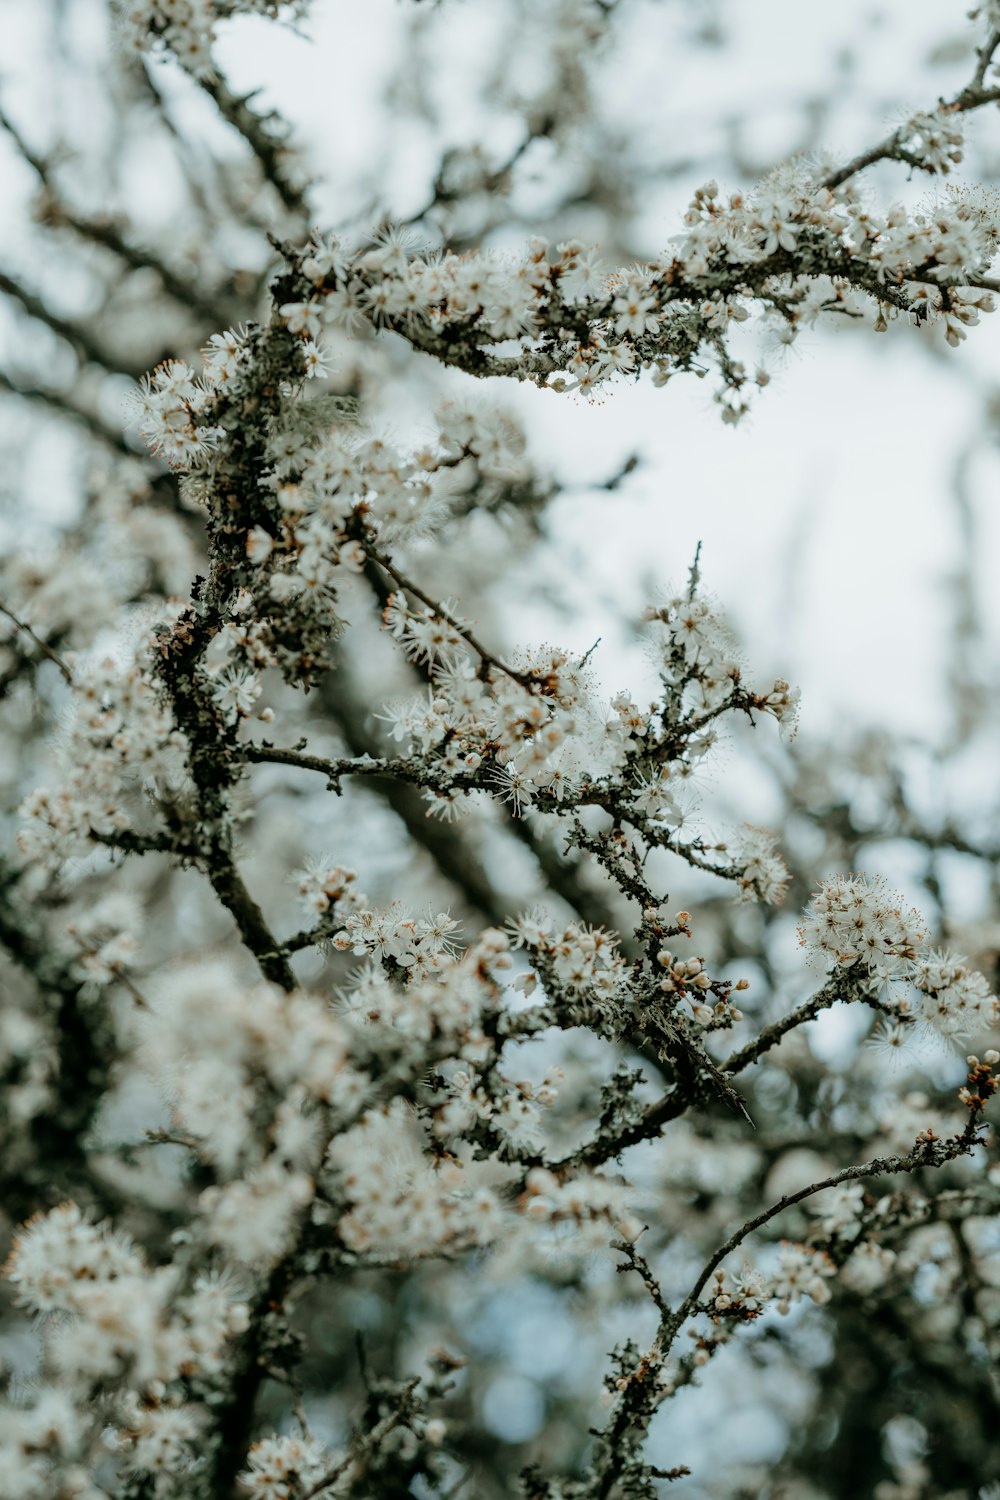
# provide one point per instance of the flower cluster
(934, 141)
(532, 730)
(169, 403)
(858, 924)
(839, 1210)
(243, 1066)
(121, 743)
(742, 1295)
(60, 1253)
(957, 1001)
(396, 1201)
(112, 1324)
(64, 597)
(327, 500)
(868, 1267)
(534, 725)
(418, 944)
(332, 494)
(857, 919)
(276, 1091)
(794, 246)
(512, 1111)
(587, 1207)
(577, 964)
(239, 653)
(108, 935)
(280, 1468)
(71, 591)
(764, 874)
(254, 1219)
(489, 437)
(699, 664)
(789, 213)
(688, 979)
(323, 886)
(801, 1272)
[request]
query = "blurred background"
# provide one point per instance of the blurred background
(849, 531)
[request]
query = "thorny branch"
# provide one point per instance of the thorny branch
(324, 1104)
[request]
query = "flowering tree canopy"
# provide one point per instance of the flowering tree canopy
(464, 1186)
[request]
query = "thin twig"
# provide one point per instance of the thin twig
(973, 96)
(45, 649)
(526, 679)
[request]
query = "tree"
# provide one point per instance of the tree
(468, 1185)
